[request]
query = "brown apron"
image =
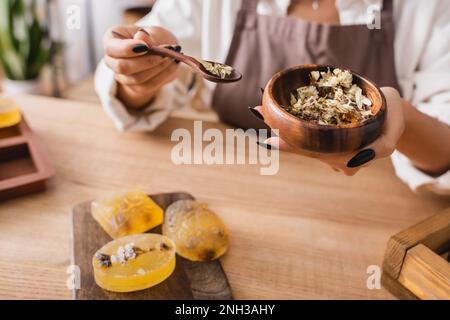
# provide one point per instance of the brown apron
(263, 45)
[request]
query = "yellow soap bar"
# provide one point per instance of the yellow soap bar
(126, 213)
(134, 262)
(198, 232)
(9, 113)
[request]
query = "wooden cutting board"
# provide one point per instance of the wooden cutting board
(190, 280)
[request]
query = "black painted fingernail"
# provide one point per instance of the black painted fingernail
(265, 145)
(361, 158)
(144, 31)
(262, 90)
(256, 113)
(140, 48)
(176, 48)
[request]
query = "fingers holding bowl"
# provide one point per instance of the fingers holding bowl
(273, 142)
(393, 128)
(337, 162)
(394, 125)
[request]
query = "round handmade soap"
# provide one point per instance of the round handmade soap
(198, 233)
(9, 113)
(126, 213)
(134, 262)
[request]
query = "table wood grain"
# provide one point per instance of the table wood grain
(304, 233)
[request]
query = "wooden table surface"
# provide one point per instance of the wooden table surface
(306, 232)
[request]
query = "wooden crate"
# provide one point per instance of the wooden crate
(415, 264)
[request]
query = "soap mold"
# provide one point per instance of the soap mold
(24, 168)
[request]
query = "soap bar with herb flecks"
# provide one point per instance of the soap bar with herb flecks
(199, 234)
(127, 213)
(134, 262)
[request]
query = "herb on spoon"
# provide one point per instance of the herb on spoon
(217, 69)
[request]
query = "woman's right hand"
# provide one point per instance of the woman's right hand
(139, 76)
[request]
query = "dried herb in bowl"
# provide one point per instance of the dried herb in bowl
(331, 98)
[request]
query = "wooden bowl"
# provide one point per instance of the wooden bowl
(315, 137)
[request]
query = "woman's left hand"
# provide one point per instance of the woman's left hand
(384, 146)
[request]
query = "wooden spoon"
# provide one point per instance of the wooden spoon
(195, 64)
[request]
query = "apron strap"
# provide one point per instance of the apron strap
(249, 6)
(387, 10)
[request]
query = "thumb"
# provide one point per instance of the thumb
(144, 34)
(155, 36)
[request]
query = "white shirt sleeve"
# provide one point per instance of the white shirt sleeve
(183, 18)
(428, 89)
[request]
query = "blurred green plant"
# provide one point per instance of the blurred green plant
(25, 44)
